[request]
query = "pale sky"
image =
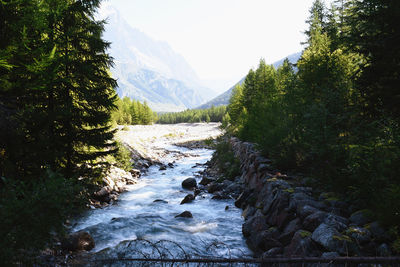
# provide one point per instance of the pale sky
(222, 39)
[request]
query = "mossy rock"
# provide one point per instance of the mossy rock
(304, 233)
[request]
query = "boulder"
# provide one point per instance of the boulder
(264, 240)
(185, 214)
(206, 180)
(242, 198)
(277, 198)
(359, 234)
(234, 189)
(214, 187)
(78, 241)
(301, 245)
(312, 221)
(188, 198)
(291, 228)
(189, 183)
(337, 222)
(359, 218)
(304, 211)
(162, 168)
(328, 237)
(248, 211)
(254, 225)
(171, 165)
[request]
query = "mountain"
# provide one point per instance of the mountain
(149, 70)
(223, 99)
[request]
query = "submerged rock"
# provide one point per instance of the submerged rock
(188, 198)
(160, 201)
(185, 214)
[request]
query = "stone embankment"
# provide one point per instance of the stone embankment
(283, 217)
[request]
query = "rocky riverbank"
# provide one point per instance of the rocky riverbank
(285, 217)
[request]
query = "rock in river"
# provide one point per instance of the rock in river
(160, 201)
(187, 199)
(185, 214)
(189, 183)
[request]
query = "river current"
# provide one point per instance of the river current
(138, 227)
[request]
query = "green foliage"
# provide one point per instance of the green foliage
(56, 97)
(132, 112)
(372, 29)
(123, 157)
(336, 118)
(59, 93)
(213, 114)
(227, 162)
(33, 212)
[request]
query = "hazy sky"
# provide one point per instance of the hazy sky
(222, 39)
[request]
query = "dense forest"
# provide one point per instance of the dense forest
(56, 98)
(334, 116)
(213, 114)
(132, 112)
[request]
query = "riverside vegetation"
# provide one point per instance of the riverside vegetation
(334, 116)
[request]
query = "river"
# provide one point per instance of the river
(138, 227)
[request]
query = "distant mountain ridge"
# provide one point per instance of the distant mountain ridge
(149, 70)
(223, 99)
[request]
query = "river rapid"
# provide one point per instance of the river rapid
(139, 227)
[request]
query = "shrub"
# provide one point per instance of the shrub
(31, 213)
(123, 157)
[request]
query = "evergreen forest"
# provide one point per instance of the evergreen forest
(334, 116)
(132, 112)
(213, 114)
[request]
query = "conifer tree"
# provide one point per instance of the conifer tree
(86, 93)
(374, 32)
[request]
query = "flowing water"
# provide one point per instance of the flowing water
(138, 227)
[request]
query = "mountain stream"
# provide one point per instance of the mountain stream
(138, 226)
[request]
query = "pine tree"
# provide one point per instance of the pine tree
(317, 14)
(374, 32)
(84, 93)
